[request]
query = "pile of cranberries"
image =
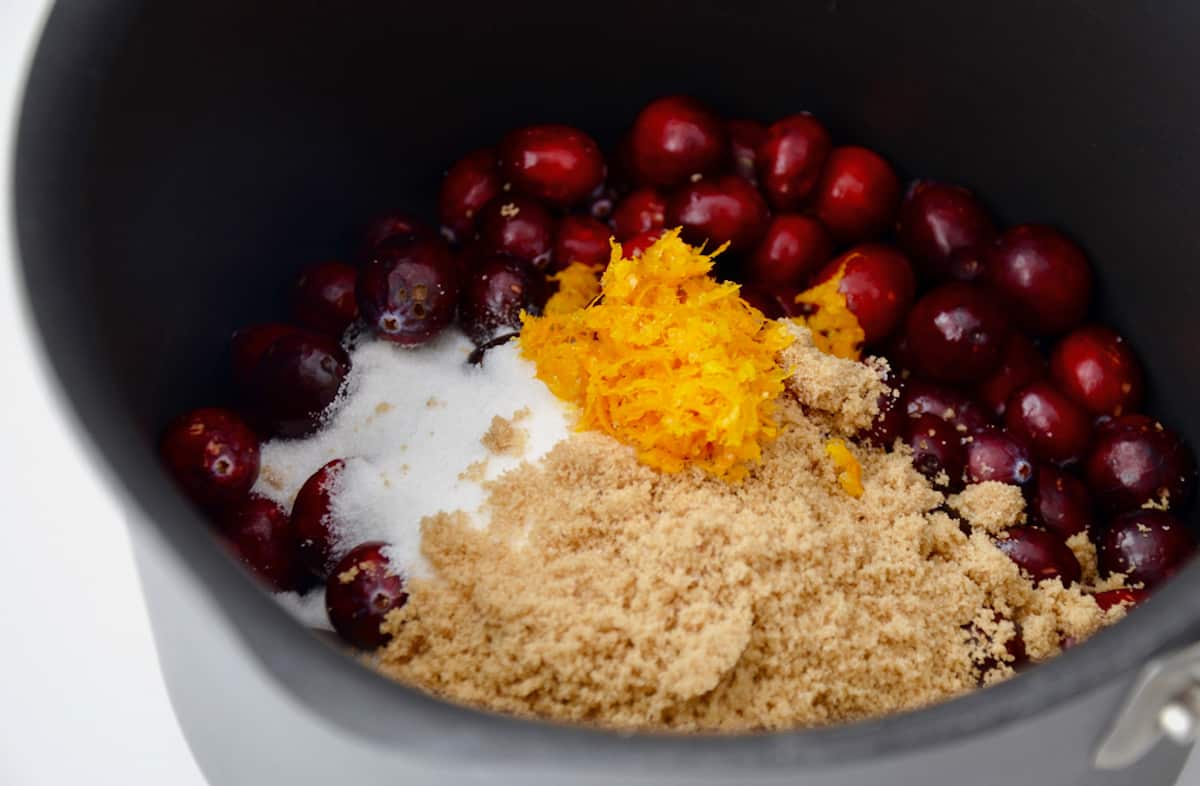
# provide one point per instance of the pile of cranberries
(998, 374)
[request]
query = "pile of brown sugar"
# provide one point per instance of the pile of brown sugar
(605, 592)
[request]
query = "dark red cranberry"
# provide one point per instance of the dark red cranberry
(1043, 275)
(793, 248)
(581, 239)
(323, 298)
(518, 227)
(1020, 363)
(674, 138)
(857, 195)
(897, 351)
(968, 264)
(937, 448)
(774, 302)
(296, 380)
(744, 138)
(601, 202)
(496, 294)
(1094, 366)
(393, 226)
(938, 220)
(643, 210)
(1055, 427)
(407, 291)
(362, 589)
(471, 183)
(724, 209)
(957, 333)
(1148, 546)
(312, 518)
(1060, 503)
(949, 404)
(878, 284)
(1136, 460)
(633, 248)
(249, 344)
(557, 164)
(999, 456)
(790, 160)
(1120, 597)
(891, 422)
(263, 539)
(1041, 555)
(212, 454)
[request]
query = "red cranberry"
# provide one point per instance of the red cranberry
(1135, 460)
(311, 518)
(968, 264)
(249, 344)
(392, 226)
(407, 291)
(496, 294)
(857, 194)
(1057, 428)
(581, 239)
(1043, 275)
(744, 138)
(793, 247)
(878, 284)
(891, 422)
(937, 221)
(724, 209)
(362, 589)
(1120, 597)
(774, 302)
(674, 138)
(557, 164)
(937, 448)
(1020, 364)
(296, 380)
(323, 298)
(639, 243)
(518, 227)
(1060, 503)
(471, 183)
(1094, 366)
(949, 404)
(263, 539)
(643, 210)
(1041, 555)
(602, 201)
(998, 456)
(957, 333)
(212, 454)
(790, 160)
(1148, 546)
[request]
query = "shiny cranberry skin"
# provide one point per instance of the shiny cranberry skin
(724, 209)
(1148, 546)
(1120, 597)
(296, 379)
(311, 518)
(407, 291)
(1020, 363)
(643, 210)
(1136, 460)
(212, 454)
(792, 249)
(878, 284)
(263, 539)
(472, 182)
(790, 160)
(937, 447)
(998, 456)
(957, 332)
(633, 248)
(938, 220)
(248, 345)
(496, 294)
(891, 422)
(557, 164)
(1043, 275)
(392, 226)
(580, 239)
(361, 590)
(323, 298)
(744, 138)
(949, 404)
(674, 138)
(601, 202)
(1055, 427)
(1041, 554)
(518, 227)
(1061, 503)
(857, 195)
(1094, 366)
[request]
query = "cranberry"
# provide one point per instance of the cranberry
(392, 226)
(937, 221)
(878, 284)
(311, 518)
(212, 454)
(1120, 597)
(643, 210)
(1135, 460)
(249, 344)
(601, 202)
(1043, 275)
(639, 243)
(793, 247)
(724, 209)
(471, 183)
(362, 589)
(1020, 364)
(496, 294)
(519, 227)
(790, 160)
(957, 333)
(323, 298)
(949, 404)
(998, 456)
(1094, 366)
(407, 290)
(557, 164)
(744, 138)
(296, 379)
(937, 448)
(1041, 555)
(1148, 546)
(774, 302)
(857, 194)
(891, 421)
(1057, 428)
(1060, 503)
(263, 539)
(674, 138)
(581, 239)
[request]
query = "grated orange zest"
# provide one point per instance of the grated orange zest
(578, 286)
(834, 327)
(849, 470)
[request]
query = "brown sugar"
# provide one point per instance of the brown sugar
(989, 506)
(504, 438)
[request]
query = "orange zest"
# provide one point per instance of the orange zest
(834, 326)
(849, 470)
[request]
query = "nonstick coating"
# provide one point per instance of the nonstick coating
(178, 163)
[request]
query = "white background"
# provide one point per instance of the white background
(81, 697)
